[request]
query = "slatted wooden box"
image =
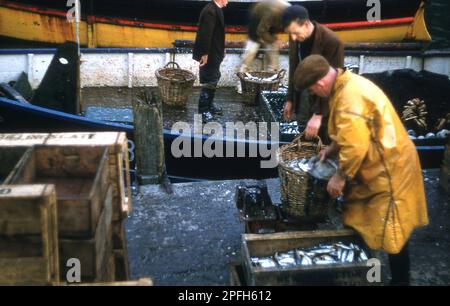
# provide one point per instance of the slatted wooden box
(81, 178)
(95, 254)
(117, 143)
(11, 159)
(28, 235)
(255, 245)
(120, 251)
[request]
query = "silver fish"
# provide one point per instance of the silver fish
(342, 246)
(350, 256)
(285, 259)
(363, 256)
(344, 255)
(306, 261)
(323, 262)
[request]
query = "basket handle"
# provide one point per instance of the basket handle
(281, 74)
(173, 64)
(299, 138)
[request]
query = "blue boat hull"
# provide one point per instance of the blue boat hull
(16, 117)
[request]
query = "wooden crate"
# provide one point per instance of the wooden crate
(28, 235)
(122, 270)
(96, 254)
(11, 159)
(81, 179)
(237, 277)
(140, 282)
(117, 143)
(333, 274)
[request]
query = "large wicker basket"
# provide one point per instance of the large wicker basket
(303, 197)
(175, 84)
(252, 88)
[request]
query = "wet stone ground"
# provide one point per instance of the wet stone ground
(100, 103)
(189, 237)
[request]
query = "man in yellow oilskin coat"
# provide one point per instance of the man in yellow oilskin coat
(379, 171)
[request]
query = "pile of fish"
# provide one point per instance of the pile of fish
(289, 128)
(250, 77)
(318, 169)
(441, 134)
(321, 255)
(297, 164)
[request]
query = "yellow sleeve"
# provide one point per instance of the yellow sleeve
(353, 139)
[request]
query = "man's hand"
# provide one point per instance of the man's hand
(323, 154)
(329, 151)
(336, 186)
(288, 111)
(313, 126)
(204, 60)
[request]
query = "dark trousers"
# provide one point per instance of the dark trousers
(400, 265)
(209, 77)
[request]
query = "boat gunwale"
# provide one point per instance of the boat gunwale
(355, 25)
(430, 53)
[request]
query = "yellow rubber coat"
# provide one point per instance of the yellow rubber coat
(384, 197)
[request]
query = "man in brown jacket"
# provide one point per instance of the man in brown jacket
(308, 37)
(209, 51)
(265, 23)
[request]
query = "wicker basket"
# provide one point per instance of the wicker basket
(303, 197)
(175, 84)
(252, 88)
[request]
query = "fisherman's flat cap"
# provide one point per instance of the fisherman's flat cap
(293, 13)
(309, 71)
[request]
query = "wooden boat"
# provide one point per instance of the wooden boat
(158, 23)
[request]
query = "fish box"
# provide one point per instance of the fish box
(96, 254)
(254, 245)
(117, 143)
(81, 178)
(28, 235)
(120, 251)
(11, 159)
(236, 274)
(271, 105)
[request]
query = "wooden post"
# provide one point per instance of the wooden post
(148, 135)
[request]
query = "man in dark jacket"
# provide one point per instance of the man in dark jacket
(308, 37)
(209, 51)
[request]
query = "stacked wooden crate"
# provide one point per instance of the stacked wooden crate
(28, 235)
(444, 178)
(84, 204)
(93, 231)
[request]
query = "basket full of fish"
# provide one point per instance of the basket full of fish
(256, 81)
(303, 180)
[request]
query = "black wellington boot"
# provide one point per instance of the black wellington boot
(213, 108)
(203, 105)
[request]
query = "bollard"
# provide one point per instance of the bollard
(148, 135)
